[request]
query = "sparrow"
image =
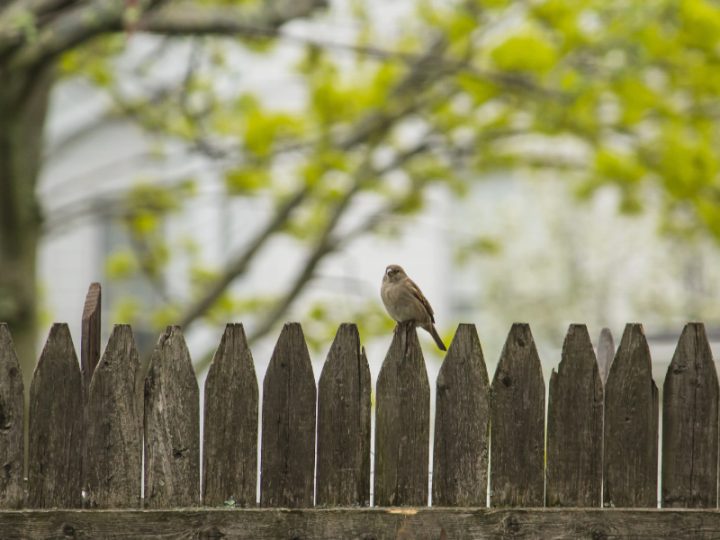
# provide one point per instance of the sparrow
(405, 301)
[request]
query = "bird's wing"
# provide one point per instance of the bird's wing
(417, 293)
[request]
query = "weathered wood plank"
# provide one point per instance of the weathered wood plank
(462, 416)
(288, 423)
(605, 353)
(631, 425)
(113, 436)
(402, 423)
(517, 450)
(90, 334)
(690, 424)
(55, 441)
(12, 443)
(343, 446)
(575, 425)
(376, 523)
(172, 418)
(231, 423)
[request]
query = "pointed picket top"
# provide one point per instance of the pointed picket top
(231, 423)
(172, 425)
(462, 416)
(517, 476)
(288, 424)
(90, 334)
(56, 411)
(402, 423)
(605, 353)
(631, 425)
(575, 425)
(690, 424)
(343, 448)
(12, 444)
(113, 437)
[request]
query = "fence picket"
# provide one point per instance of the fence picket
(631, 425)
(462, 416)
(288, 423)
(231, 423)
(517, 448)
(690, 424)
(55, 440)
(90, 335)
(343, 446)
(172, 417)
(402, 423)
(113, 439)
(575, 425)
(12, 444)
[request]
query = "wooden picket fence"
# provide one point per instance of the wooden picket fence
(116, 433)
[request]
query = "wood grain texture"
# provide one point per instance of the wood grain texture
(55, 440)
(288, 424)
(462, 417)
(363, 524)
(605, 353)
(402, 423)
(690, 424)
(631, 425)
(12, 443)
(90, 334)
(343, 446)
(575, 425)
(517, 476)
(231, 423)
(113, 436)
(172, 418)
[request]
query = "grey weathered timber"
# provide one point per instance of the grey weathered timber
(172, 417)
(366, 523)
(231, 423)
(402, 423)
(55, 441)
(343, 445)
(517, 423)
(631, 425)
(90, 334)
(605, 353)
(575, 425)
(12, 444)
(690, 424)
(113, 436)
(288, 423)
(462, 416)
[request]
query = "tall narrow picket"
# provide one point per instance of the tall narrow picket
(462, 417)
(402, 423)
(113, 439)
(12, 444)
(288, 423)
(575, 425)
(690, 424)
(343, 446)
(631, 425)
(90, 334)
(231, 423)
(172, 418)
(517, 448)
(55, 442)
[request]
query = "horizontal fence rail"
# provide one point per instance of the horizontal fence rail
(91, 420)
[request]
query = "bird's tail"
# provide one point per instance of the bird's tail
(433, 332)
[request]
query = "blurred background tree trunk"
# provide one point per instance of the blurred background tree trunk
(24, 97)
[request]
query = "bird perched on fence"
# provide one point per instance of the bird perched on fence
(405, 301)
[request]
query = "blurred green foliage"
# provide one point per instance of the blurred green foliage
(452, 95)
